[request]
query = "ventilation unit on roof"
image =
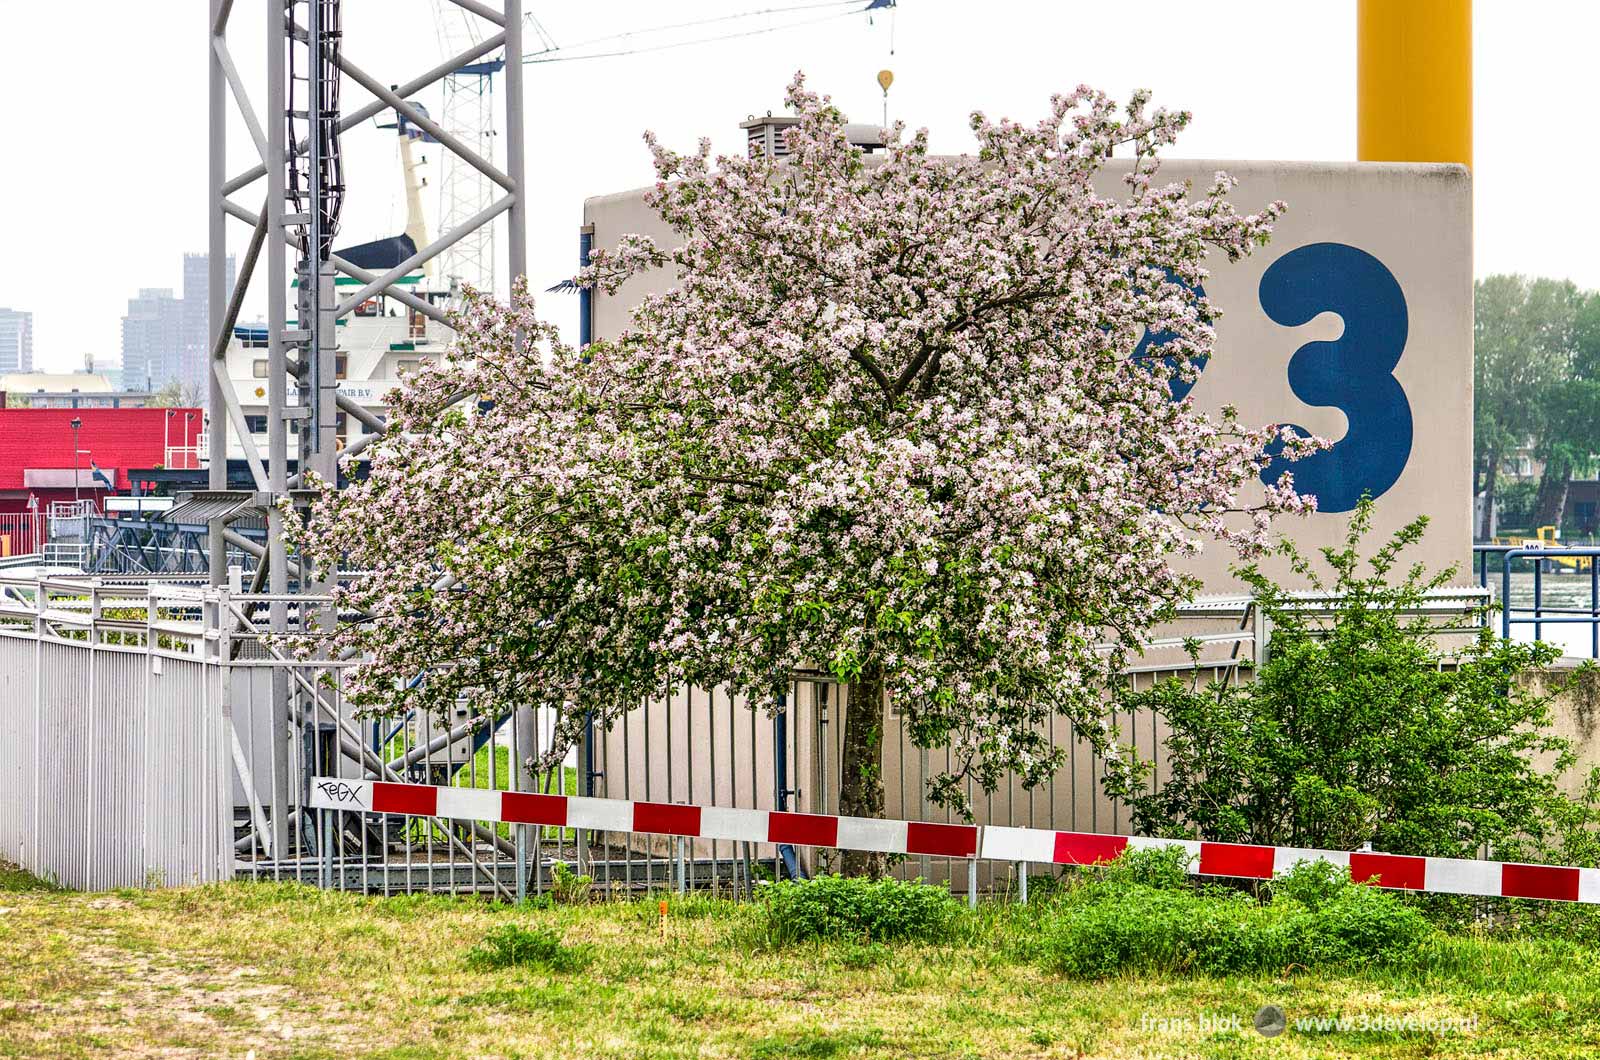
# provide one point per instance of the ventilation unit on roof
(765, 136)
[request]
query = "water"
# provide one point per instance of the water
(1569, 590)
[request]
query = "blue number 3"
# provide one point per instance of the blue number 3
(1353, 373)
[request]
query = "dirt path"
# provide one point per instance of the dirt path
(85, 978)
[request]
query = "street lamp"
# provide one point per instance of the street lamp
(76, 423)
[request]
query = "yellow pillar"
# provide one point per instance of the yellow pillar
(1414, 81)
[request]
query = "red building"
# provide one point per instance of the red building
(41, 453)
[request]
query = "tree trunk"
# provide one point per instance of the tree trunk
(861, 771)
(1491, 473)
(1552, 499)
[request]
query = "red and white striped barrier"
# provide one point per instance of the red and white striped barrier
(1499, 879)
(992, 842)
(662, 818)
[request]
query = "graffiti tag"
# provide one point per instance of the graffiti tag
(339, 792)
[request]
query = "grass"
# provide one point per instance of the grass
(476, 775)
(288, 971)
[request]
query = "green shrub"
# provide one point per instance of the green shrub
(1362, 924)
(1311, 883)
(1135, 928)
(1107, 928)
(1163, 868)
(839, 907)
(1508, 919)
(514, 946)
(1363, 725)
(15, 879)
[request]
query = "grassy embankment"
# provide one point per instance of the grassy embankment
(288, 971)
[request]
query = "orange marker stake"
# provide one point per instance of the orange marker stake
(663, 918)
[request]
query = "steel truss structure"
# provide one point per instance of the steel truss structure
(305, 65)
(468, 114)
(160, 546)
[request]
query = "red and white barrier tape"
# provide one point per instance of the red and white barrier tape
(620, 815)
(993, 842)
(1500, 879)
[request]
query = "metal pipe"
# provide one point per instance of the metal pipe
(438, 743)
(517, 259)
(367, 418)
(230, 404)
(481, 10)
(216, 281)
(1414, 81)
(244, 544)
(277, 401)
(517, 223)
(241, 98)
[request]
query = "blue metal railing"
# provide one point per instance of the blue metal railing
(1545, 562)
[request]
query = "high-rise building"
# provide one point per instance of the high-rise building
(152, 339)
(196, 315)
(16, 341)
(165, 338)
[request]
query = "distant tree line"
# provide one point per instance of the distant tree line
(1536, 380)
(176, 394)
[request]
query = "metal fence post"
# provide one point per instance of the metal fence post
(521, 722)
(1505, 594)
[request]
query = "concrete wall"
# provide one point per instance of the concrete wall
(1575, 708)
(1377, 259)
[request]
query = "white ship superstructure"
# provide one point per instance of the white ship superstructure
(377, 342)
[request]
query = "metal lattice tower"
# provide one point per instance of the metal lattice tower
(296, 137)
(468, 114)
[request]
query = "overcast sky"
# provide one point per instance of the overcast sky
(104, 168)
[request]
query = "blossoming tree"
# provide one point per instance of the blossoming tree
(889, 422)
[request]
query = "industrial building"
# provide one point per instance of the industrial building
(66, 390)
(50, 455)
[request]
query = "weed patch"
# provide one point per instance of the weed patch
(514, 946)
(1106, 929)
(839, 907)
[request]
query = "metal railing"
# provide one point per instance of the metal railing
(110, 723)
(155, 698)
(21, 533)
(1557, 586)
(64, 554)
